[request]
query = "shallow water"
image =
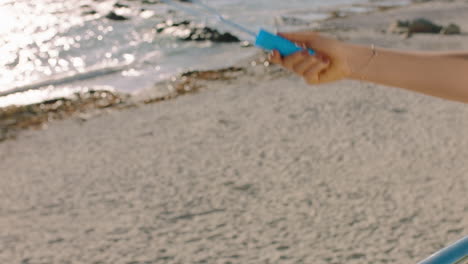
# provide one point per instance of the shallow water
(52, 45)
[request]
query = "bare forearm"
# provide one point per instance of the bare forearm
(441, 74)
(438, 74)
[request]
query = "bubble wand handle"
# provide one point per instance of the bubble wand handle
(269, 41)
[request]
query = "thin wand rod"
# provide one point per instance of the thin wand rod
(224, 20)
(212, 11)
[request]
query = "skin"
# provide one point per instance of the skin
(440, 74)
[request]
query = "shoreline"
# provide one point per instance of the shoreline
(188, 82)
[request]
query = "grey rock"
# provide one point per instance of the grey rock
(120, 5)
(422, 25)
(419, 25)
(88, 12)
(113, 16)
(451, 29)
(187, 31)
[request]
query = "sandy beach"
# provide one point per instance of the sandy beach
(257, 169)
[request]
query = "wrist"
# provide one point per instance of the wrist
(358, 59)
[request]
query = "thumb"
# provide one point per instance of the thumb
(298, 37)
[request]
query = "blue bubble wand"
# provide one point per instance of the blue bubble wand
(263, 39)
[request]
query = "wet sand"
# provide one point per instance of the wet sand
(257, 169)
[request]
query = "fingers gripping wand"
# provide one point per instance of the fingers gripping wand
(263, 39)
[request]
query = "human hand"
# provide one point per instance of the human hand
(327, 65)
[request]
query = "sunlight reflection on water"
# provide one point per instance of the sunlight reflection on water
(69, 43)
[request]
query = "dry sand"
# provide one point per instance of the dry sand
(263, 169)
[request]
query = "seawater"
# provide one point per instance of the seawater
(51, 48)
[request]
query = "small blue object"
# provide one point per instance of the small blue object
(454, 254)
(269, 41)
